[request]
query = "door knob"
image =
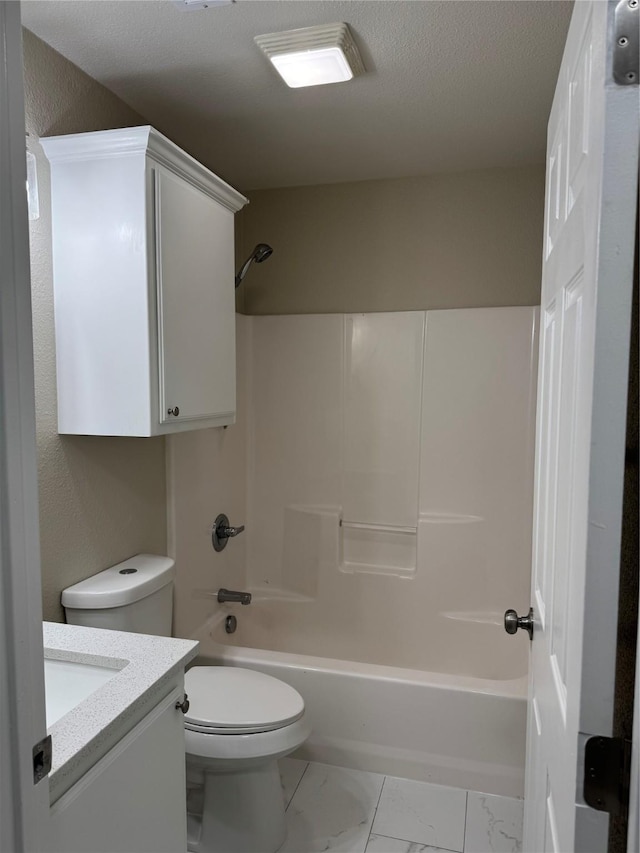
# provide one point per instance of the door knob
(512, 622)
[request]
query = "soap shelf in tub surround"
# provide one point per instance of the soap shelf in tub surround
(147, 668)
(386, 549)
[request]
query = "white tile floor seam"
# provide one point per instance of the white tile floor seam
(354, 811)
(298, 785)
(374, 814)
(466, 813)
(292, 771)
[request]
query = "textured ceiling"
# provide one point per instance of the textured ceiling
(453, 85)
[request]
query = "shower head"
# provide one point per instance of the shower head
(261, 252)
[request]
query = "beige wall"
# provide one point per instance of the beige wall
(101, 499)
(464, 240)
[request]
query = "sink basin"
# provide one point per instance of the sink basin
(67, 683)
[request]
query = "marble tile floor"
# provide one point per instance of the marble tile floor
(350, 811)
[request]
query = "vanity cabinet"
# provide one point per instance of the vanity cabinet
(144, 296)
(132, 799)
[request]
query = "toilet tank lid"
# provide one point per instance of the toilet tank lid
(129, 581)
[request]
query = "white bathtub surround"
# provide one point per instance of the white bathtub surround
(284, 467)
(143, 665)
(352, 811)
(382, 383)
(407, 423)
(413, 570)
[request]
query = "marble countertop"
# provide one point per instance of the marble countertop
(147, 668)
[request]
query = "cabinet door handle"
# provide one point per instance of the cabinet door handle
(184, 705)
(175, 411)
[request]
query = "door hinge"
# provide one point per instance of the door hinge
(607, 773)
(42, 753)
(626, 43)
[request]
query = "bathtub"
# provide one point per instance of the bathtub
(457, 730)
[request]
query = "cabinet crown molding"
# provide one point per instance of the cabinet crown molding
(146, 141)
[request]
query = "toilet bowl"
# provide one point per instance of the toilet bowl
(238, 724)
(239, 721)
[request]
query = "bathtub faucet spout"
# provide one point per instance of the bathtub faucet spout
(232, 595)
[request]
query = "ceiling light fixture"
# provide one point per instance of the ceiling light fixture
(313, 56)
(196, 5)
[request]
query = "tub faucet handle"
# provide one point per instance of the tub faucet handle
(223, 531)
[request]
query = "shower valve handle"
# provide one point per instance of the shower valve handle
(223, 531)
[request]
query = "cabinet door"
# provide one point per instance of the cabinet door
(196, 303)
(134, 799)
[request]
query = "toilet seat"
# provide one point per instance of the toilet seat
(235, 753)
(227, 700)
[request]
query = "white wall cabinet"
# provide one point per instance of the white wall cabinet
(143, 266)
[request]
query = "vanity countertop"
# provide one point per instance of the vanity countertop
(146, 668)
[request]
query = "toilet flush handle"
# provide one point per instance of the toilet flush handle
(184, 705)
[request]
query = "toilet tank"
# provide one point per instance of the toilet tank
(136, 595)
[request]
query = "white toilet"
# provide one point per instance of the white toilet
(238, 724)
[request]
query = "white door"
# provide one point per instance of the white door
(592, 162)
(633, 839)
(24, 806)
